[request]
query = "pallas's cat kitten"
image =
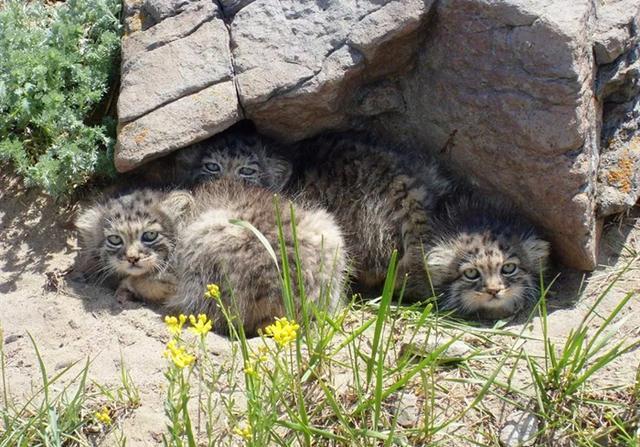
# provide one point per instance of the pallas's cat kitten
(378, 200)
(166, 247)
(386, 199)
(243, 156)
(383, 198)
(130, 239)
(485, 260)
(212, 248)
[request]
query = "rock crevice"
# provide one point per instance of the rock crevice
(507, 86)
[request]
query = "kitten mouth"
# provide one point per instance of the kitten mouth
(498, 300)
(140, 268)
(489, 297)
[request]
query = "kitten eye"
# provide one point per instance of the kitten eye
(471, 274)
(114, 239)
(246, 171)
(212, 167)
(509, 268)
(149, 236)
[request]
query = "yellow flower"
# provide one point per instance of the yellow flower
(243, 432)
(213, 292)
(103, 416)
(175, 324)
(250, 369)
(283, 331)
(178, 355)
(200, 326)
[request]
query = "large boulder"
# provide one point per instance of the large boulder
(534, 99)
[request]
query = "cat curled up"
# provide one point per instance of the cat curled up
(386, 199)
(166, 247)
(212, 249)
(383, 197)
(381, 200)
(484, 259)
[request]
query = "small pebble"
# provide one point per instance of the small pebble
(520, 429)
(423, 346)
(12, 338)
(408, 410)
(63, 364)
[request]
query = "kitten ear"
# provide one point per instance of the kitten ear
(440, 262)
(280, 170)
(177, 203)
(89, 225)
(537, 251)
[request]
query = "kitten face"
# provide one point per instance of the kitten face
(133, 235)
(241, 157)
(490, 274)
(136, 244)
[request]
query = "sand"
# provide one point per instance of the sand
(70, 321)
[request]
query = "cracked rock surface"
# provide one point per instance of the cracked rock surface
(533, 99)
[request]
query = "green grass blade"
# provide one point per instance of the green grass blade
(387, 294)
(263, 240)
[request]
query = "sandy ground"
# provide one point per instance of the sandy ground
(73, 321)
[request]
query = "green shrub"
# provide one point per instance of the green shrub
(57, 63)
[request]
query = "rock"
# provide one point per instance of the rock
(618, 88)
(231, 7)
(520, 429)
(408, 408)
(64, 364)
(423, 345)
(12, 338)
(616, 29)
(161, 9)
(198, 60)
(174, 28)
(619, 171)
(177, 124)
(506, 86)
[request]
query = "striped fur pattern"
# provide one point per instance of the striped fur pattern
(243, 156)
(383, 199)
(212, 249)
(387, 198)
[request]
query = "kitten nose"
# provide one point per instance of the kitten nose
(494, 289)
(133, 259)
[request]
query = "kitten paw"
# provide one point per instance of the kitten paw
(124, 295)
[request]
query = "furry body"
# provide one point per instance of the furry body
(386, 199)
(211, 249)
(234, 155)
(383, 200)
(193, 243)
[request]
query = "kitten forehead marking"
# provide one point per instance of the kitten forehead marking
(479, 235)
(240, 157)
